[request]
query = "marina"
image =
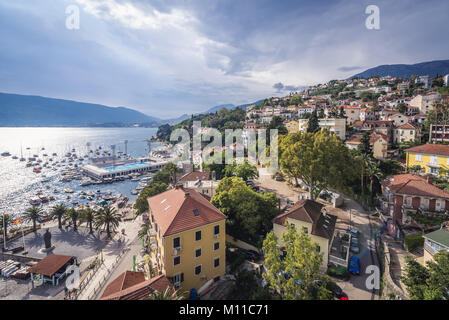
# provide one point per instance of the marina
(74, 171)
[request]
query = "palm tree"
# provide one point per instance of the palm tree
(144, 230)
(373, 172)
(7, 223)
(88, 216)
(73, 215)
(364, 160)
(59, 211)
(109, 218)
(33, 214)
(167, 294)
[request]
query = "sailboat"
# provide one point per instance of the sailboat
(21, 154)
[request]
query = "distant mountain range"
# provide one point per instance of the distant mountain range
(35, 111)
(431, 68)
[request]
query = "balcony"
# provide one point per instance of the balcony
(430, 249)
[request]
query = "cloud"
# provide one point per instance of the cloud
(169, 57)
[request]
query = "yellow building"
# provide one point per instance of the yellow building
(308, 215)
(188, 244)
(432, 158)
(292, 126)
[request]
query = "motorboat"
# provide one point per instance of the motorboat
(68, 190)
(5, 154)
(35, 201)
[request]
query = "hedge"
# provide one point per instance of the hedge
(413, 241)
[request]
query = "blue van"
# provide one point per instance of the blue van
(354, 265)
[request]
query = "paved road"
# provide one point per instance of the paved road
(126, 262)
(356, 287)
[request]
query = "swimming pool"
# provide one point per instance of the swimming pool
(131, 166)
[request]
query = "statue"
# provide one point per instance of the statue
(47, 239)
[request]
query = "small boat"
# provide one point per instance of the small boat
(134, 192)
(35, 201)
(68, 190)
(5, 154)
(15, 157)
(54, 154)
(36, 170)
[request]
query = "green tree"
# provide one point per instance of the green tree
(321, 160)
(294, 275)
(277, 124)
(143, 231)
(313, 124)
(402, 107)
(167, 294)
(365, 146)
(249, 213)
(248, 288)
(58, 212)
(108, 218)
(438, 282)
(4, 225)
(88, 216)
(172, 170)
(154, 188)
(33, 214)
(375, 175)
(72, 215)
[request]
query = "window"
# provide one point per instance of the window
(177, 279)
(216, 262)
(318, 248)
(198, 235)
(418, 157)
(197, 270)
(216, 230)
(195, 212)
(216, 245)
(176, 242)
(177, 260)
(197, 252)
(305, 229)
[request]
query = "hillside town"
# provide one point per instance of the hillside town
(361, 193)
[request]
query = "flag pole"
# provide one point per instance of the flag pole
(4, 232)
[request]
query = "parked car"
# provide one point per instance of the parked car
(279, 178)
(355, 248)
(249, 183)
(354, 232)
(251, 255)
(332, 287)
(354, 265)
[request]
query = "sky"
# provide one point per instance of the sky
(166, 58)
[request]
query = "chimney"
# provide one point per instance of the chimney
(429, 179)
(186, 192)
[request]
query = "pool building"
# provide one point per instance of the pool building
(123, 168)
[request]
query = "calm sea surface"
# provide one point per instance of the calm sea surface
(18, 183)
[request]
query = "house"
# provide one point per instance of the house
(292, 126)
(439, 133)
(432, 158)
(408, 193)
(378, 142)
(378, 126)
(132, 285)
(367, 114)
(406, 133)
(417, 119)
(187, 238)
(352, 114)
(398, 119)
(302, 111)
(310, 216)
(335, 125)
(434, 242)
(425, 102)
(425, 80)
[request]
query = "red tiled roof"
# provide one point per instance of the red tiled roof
(50, 264)
(124, 281)
(410, 184)
(439, 149)
(142, 290)
(310, 211)
(173, 210)
(407, 126)
(195, 175)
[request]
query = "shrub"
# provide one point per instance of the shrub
(413, 241)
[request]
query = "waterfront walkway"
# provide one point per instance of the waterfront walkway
(112, 253)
